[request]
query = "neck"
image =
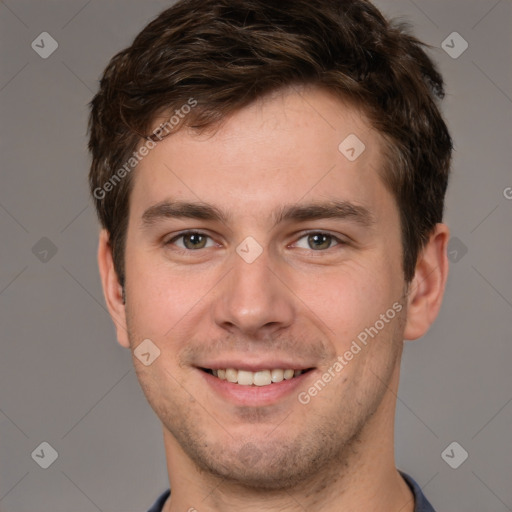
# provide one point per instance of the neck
(363, 477)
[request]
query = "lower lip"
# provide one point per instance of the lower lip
(255, 395)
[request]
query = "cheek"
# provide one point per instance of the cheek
(157, 297)
(349, 299)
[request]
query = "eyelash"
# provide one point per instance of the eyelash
(303, 235)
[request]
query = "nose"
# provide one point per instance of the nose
(253, 299)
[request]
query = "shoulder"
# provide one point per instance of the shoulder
(421, 502)
(159, 503)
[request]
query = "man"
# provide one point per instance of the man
(270, 180)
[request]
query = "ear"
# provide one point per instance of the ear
(427, 287)
(112, 290)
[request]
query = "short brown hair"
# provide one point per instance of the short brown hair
(227, 53)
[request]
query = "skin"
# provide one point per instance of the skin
(306, 304)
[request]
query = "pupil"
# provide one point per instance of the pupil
(319, 241)
(194, 241)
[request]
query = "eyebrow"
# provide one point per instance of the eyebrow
(343, 210)
(181, 209)
(335, 209)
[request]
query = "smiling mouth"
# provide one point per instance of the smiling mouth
(259, 378)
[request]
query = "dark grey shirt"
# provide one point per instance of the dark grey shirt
(421, 503)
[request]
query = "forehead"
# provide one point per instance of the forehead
(294, 145)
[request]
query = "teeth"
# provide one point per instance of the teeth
(245, 378)
(277, 375)
(231, 375)
(260, 378)
(288, 374)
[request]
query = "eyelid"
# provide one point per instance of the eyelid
(297, 236)
(175, 236)
(340, 239)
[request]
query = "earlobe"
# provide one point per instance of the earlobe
(427, 287)
(112, 289)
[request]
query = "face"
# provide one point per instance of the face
(262, 247)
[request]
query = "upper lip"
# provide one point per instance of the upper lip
(254, 366)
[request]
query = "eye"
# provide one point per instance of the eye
(191, 240)
(318, 241)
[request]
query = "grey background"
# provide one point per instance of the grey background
(64, 379)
